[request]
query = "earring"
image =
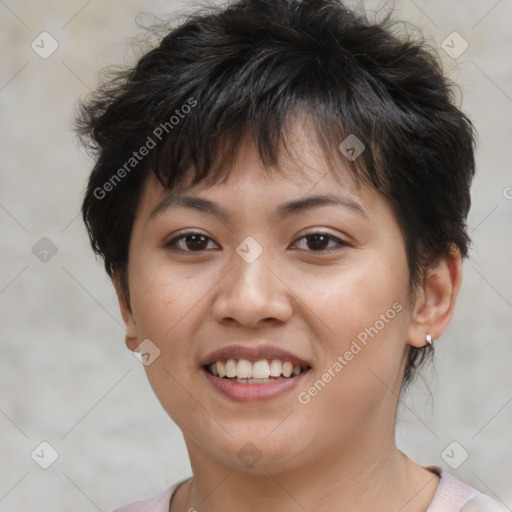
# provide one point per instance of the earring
(428, 338)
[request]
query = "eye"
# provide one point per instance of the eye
(319, 241)
(190, 241)
(195, 241)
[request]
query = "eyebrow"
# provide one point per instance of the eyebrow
(284, 210)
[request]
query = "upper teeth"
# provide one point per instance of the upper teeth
(263, 369)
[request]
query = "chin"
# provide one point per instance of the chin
(259, 449)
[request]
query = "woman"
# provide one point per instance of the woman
(280, 196)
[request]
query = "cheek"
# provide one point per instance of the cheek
(163, 298)
(353, 297)
(365, 318)
(166, 304)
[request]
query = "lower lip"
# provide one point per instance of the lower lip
(253, 392)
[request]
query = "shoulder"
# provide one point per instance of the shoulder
(159, 503)
(455, 496)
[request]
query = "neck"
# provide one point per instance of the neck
(361, 477)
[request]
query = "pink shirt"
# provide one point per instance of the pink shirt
(451, 496)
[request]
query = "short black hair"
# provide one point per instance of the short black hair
(246, 69)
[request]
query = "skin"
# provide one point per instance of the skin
(337, 452)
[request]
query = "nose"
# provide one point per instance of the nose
(252, 294)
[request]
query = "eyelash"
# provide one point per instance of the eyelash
(171, 245)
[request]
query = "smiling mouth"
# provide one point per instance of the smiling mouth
(263, 371)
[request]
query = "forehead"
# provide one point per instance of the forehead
(302, 169)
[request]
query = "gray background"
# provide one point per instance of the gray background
(65, 374)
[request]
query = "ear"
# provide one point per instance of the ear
(435, 301)
(126, 313)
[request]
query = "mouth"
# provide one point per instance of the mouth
(253, 373)
(263, 371)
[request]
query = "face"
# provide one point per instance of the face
(278, 284)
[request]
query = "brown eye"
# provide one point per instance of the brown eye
(189, 242)
(319, 242)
